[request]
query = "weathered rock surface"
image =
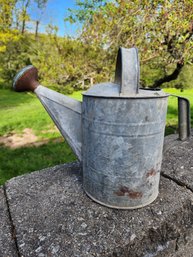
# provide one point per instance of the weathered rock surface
(7, 243)
(52, 216)
(178, 161)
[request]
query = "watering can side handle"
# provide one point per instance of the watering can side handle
(184, 121)
(127, 71)
(26, 79)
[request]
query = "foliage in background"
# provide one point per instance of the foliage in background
(165, 44)
(15, 42)
(67, 64)
(7, 32)
(13, 17)
(16, 56)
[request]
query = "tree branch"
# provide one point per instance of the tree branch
(170, 77)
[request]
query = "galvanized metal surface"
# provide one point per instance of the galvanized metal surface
(66, 114)
(112, 90)
(117, 133)
(184, 119)
(122, 142)
(184, 122)
(127, 71)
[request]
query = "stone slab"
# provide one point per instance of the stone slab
(53, 217)
(178, 161)
(7, 243)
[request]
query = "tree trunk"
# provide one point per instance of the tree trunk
(167, 78)
(23, 27)
(36, 30)
(24, 16)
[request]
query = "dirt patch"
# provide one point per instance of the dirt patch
(28, 138)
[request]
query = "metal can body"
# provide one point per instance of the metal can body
(122, 149)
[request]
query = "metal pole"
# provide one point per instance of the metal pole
(183, 118)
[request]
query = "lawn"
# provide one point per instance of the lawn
(23, 110)
(172, 114)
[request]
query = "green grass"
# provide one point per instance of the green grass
(23, 110)
(172, 114)
(14, 162)
(20, 111)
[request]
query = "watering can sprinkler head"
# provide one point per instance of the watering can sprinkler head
(64, 111)
(26, 79)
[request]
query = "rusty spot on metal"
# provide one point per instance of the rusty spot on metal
(151, 173)
(134, 195)
(119, 193)
(125, 191)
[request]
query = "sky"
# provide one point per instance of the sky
(55, 12)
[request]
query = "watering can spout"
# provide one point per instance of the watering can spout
(64, 111)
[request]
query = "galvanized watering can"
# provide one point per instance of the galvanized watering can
(117, 132)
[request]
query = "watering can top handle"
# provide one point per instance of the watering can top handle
(127, 71)
(26, 79)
